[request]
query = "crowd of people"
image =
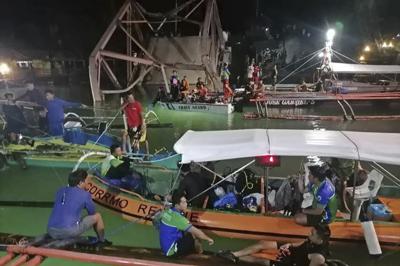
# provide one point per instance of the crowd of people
(181, 90)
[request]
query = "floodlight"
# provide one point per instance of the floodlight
(4, 69)
(330, 34)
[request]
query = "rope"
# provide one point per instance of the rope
(108, 126)
(294, 71)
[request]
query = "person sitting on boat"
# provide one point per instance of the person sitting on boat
(116, 169)
(325, 204)
(185, 88)
(133, 113)
(202, 93)
(302, 87)
(55, 113)
(161, 96)
(193, 184)
(311, 252)
(15, 119)
(178, 237)
(199, 83)
(65, 220)
(175, 86)
(228, 93)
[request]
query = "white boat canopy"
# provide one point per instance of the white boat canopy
(203, 146)
(364, 69)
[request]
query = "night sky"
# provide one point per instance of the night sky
(76, 25)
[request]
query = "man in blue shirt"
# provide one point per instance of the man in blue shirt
(178, 237)
(55, 113)
(325, 203)
(65, 220)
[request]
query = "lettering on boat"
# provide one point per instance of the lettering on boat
(193, 107)
(289, 102)
(106, 197)
(150, 210)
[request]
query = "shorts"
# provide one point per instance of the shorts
(64, 233)
(185, 245)
(135, 132)
(314, 219)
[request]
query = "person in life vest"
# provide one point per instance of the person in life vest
(228, 93)
(202, 92)
(116, 169)
(185, 88)
(325, 203)
(310, 252)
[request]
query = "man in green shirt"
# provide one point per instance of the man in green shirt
(178, 237)
(116, 169)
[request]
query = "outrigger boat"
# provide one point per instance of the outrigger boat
(215, 108)
(65, 150)
(198, 147)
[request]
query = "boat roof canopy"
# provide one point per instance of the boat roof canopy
(203, 146)
(364, 69)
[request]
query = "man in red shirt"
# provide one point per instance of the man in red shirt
(133, 113)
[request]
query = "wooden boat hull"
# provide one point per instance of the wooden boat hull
(198, 107)
(239, 225)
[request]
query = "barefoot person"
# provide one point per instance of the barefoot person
(310, 252)
(65, 220)
(177, 236)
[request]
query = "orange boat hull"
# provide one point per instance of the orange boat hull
(239, 225)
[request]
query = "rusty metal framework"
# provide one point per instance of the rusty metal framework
(129, 41)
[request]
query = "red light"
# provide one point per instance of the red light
(268, 160)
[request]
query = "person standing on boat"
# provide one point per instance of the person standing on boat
(15, 119)
(55, 113)
(175, 86)
(274, 77)
(65, 220)
(193, 184)
(325, 203)
(178, 237)
(228, 93)
(185, 88)
(310, 252)
(133, 112)
(33, 95)
(225, 73)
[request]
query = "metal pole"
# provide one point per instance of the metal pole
(353, 212)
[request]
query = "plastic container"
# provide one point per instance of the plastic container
(379, 212)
